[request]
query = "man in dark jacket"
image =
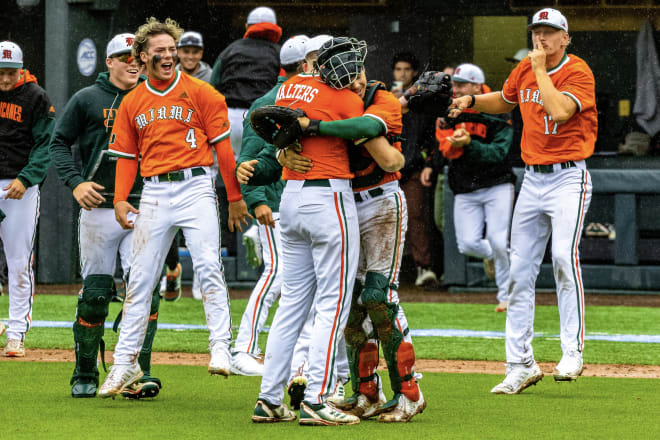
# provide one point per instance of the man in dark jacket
(88, 119)
(248, 68)
(26, 123)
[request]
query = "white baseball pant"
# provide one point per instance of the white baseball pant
(492, 207)
(236, 116)
(100, 237)
(548, 203)
(164, 208)
(320, 247)
(17, 232)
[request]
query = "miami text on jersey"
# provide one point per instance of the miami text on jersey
(161, 114)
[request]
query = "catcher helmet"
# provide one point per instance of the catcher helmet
(341, 61)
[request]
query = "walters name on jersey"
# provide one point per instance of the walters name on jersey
(297, 92)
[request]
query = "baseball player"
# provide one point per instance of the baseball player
(555, 92)
(263, 202)
(481, 178)
(320, 243)
(171, 120)
(88, 120)
(191, 51)
(381, 208)
(27, 119)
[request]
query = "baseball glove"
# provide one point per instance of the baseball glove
(277, 125)
(431, 94)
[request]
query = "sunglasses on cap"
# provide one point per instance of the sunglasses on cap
(125, 58)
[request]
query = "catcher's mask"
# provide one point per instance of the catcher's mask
(341, 61)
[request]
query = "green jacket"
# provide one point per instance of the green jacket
(88, 119)
(253, 147)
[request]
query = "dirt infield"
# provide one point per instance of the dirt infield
(421, 365)
(407, 293)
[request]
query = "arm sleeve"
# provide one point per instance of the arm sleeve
(227, 165)
(494, 151)
(67, 130)
(39, 160)
(354, 128)
(126, 172)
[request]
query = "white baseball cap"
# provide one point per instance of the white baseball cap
(262, 14)
(316, 42)
(191, 38)
(11, 56)
(121, 43)
(293, 50)
(469, 73)
(549, 17)
(519, 56)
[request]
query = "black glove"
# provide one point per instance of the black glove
(431, 94)
(277, 125)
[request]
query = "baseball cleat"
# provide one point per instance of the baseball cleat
(324, 415)
(119, 378)
(172, 283)
(425, 276)
(405, 409)
(252, 246)
(14, 348)
(244, 364)
(518, 377)
(338, 396)
(569, 368)
(83, 388)
(502, 306)
(146, 387)
(220, 360)
(296, 391)
(265, 412)
(364, 407)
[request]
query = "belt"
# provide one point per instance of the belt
(374, 192)
(320, 182)
(548, 169)
(176, 176)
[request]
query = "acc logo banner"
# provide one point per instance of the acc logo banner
(86, 57)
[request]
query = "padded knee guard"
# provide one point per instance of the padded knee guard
(144, 359)
(92, 310)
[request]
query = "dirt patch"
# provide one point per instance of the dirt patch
(421, 365)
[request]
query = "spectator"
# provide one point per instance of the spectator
(248, 68)
(476, 146)
(417, 140)
(191, 51)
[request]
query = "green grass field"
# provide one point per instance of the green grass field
(36, 399)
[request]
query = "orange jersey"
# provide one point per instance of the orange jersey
(320, 101)
(171, 129)
(543, 140)
(385, 108)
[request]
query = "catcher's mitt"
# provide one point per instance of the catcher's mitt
(430, 94)
(277, 125)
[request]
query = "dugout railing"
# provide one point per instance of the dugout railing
(628, 260)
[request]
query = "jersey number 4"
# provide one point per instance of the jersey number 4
(548, 120)
(192, 140)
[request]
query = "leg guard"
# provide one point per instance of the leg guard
(93, 300)
(354, 335)
(399, 355)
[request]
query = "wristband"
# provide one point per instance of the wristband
(313, 127)
(471, 102)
